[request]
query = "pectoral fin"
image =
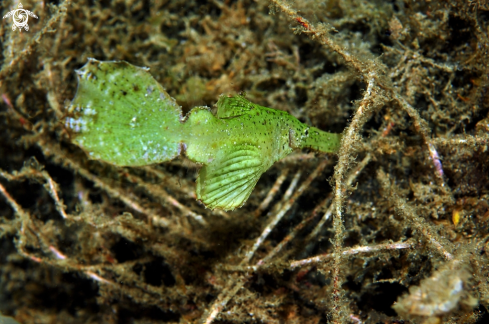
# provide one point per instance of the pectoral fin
(227, 182)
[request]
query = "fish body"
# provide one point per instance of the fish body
(123, 116)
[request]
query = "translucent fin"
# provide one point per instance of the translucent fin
(233, 106)
(227, 182)
(122, 115)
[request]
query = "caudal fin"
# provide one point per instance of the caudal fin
(122, 115)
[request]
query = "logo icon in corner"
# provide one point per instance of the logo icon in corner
(20, 17)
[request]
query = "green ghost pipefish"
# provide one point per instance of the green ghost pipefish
(123, 116)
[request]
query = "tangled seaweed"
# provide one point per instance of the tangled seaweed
(394, 229)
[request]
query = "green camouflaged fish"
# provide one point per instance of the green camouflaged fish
(123, 116)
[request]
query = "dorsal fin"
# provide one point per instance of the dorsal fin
(233, 106)
(227, 181)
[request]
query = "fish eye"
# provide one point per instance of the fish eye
(306, 132)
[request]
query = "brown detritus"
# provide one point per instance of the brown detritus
(408, 208)
(408, 212)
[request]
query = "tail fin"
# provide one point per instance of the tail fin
(122, 115)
